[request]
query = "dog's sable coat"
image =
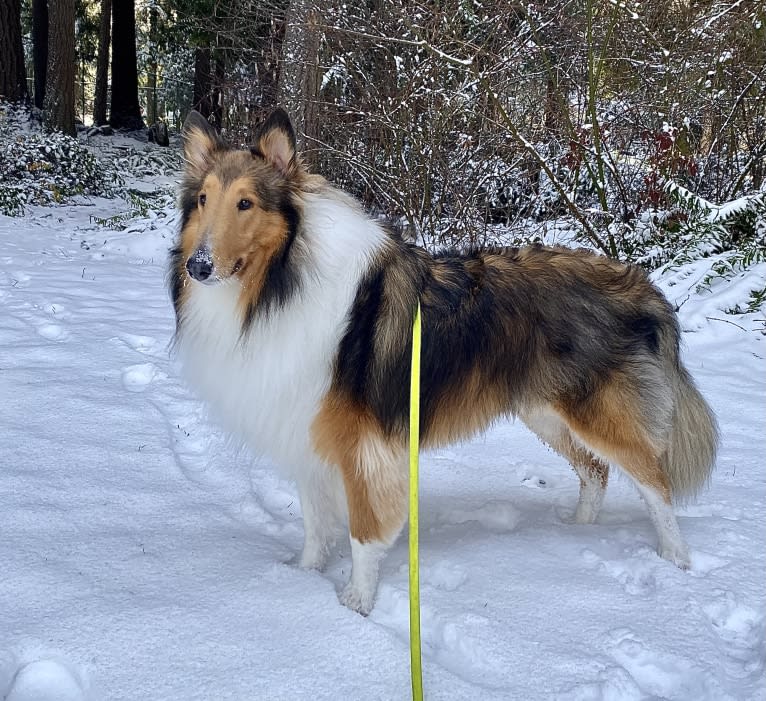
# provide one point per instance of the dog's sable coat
(294, 314)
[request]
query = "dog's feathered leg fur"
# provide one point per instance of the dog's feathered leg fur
(319, 489)
(592, 471)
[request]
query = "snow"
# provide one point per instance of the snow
(143, 556)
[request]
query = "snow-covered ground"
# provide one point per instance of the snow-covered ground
(142, 557)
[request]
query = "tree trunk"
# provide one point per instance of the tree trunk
(126, 111)
(553, 98)
(40, 48)
(102, 64)
(202, 81)
(151, 101)
(217, 96)
(13, 81)
(267, 70)
(298, 80)
(59, 87)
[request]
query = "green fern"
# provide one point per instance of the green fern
(756, 303)
(735, 233)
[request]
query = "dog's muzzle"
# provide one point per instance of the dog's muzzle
(200, 264)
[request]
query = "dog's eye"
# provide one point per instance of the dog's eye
(242, 205)
(202, 200)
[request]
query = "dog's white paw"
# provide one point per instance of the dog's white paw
(678, 556)
(309, 559)
(312, 560)
(584, 515)
(356, 599)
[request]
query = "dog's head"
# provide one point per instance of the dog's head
(239, 211)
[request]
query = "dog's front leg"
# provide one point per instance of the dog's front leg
(377, 508)
(373, 468)
(321, 494)
(359, 593)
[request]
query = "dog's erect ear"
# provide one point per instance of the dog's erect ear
(276, 143)
(200, 140)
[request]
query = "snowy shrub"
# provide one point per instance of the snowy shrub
(731, 236)
(141, 205)
(54, 166)
(37, 168)
(695, 228)
(148, 162)
(13, 197)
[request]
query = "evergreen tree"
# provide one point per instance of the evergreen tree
(102, 63)
(126, 111)
(40, 48)
(13, 83)
(58, 105)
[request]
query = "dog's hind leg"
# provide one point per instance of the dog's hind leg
(646, 471)
(613, 426)
(594, 475)
(593, 472)
(671, 545)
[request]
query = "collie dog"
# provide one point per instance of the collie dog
(294, 314)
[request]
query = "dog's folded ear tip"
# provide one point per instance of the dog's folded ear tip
(195, 120)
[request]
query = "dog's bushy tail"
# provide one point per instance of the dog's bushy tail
(691, 452)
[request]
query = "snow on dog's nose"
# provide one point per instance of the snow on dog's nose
(200, 264)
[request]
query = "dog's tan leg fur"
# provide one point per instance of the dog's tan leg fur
(610, 425)
(374, 473)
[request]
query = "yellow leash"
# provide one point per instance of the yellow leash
(416, 670)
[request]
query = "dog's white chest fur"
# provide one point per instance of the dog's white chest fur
(266, 387)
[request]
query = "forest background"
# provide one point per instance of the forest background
(639, 128)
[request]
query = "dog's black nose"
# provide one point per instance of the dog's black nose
(200, 265)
